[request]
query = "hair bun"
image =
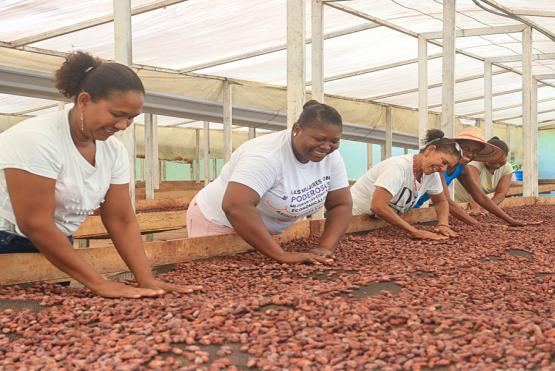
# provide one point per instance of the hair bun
(312, 102)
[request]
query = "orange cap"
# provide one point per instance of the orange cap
(476, 148)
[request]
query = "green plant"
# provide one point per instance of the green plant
(516, 166)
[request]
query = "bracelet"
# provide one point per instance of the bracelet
(442, 225)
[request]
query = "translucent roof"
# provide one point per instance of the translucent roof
(194, 35)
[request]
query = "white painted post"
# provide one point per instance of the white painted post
(228, 107)
(156, 154)
(527, 110)
(422, 88)
(317, 71)
(405, 151)
(197, 155)
(149, 156)
(214, 168)
(252, 133)
(448, 71)
(534, 138)
(123, 54)
(488, 102)
(295, 59)
(388, 132)
(206, 152)
(370, 155)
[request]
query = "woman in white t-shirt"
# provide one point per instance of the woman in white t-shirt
(395, 185)
(492, 177)
(57, 168)
(274, 180)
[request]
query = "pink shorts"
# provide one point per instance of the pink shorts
(199, 226)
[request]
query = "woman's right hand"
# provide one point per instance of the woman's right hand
(425, 235)
(112, 289)
(301, 257)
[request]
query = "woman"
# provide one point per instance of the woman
(68, 164)
(274, 180)
(493, 177)
(474, 148)
(393, 186)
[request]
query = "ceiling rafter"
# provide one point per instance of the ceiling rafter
(87, 24)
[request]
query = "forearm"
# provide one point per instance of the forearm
(498, 198)
(473, 204)
(459, 213)
(126, 236)
(442, 211)
(389, 215)
(490, 206)
(55, 247)
(248, 224)
(337, 222)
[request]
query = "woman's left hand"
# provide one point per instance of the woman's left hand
(446, 231)
(168, 287)
(322, 251)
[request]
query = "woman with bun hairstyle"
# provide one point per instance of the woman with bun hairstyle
(493, 177)
(276, 179)
(474, 148)
(57, 168)
(393, 186)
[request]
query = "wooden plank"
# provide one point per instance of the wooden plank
(148, 222)
(106, 260)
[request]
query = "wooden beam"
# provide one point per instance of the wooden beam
(206, 152)
(493, 30)
(87, 24)
(388, 132)
(448, 70)
(106, 260)
(533, 12)
(377, 68)
(295, 59)
(422, 88)
(488, 101)
(518, 57)
(527, 109)
(273, 49)
(317, 49)
(149, 167)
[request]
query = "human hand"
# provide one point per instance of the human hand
(112, 289)
(523, 223)
(446, 231)
(322, 251)
(156, 284)
(300, 257)
(476, 212)
(425, 235)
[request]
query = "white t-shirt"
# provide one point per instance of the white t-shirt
(288, 189)
(488, 181)
(395, 175)
(43, 146)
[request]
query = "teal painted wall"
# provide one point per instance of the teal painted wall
(546, 154)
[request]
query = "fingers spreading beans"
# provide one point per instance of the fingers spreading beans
(386, 302)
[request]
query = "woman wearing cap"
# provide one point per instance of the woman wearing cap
(274, 180)
(393, 186)
(68, 164)
(474, 148)
(493, 177)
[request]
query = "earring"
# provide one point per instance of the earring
(82, 123)
(294, 134)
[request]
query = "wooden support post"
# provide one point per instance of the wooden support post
(405, 151)
(192, 170)
(228, 114)
(448, 71)
(156, 154)
(123, 54)
(197, 155)
(388, 132)
(488, 102)
(534, 191)
(369, 155)
(422, 88)
(206, 152)
(149, 159)
(295, 59)
(383, 152)
(214, 168)
(252, 133)
(527, 109)
(317, 70)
